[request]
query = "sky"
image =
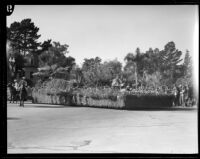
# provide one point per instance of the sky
(112, 31)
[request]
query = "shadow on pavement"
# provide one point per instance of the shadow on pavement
(48, 106)
(12, 118)
(167, 109)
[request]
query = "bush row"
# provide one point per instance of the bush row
(99, 93)
(148, 102)
(45, 98)
(58, 91)
(119, 102)
(81, 100)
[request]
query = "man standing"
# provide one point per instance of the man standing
(186, 101)
(22, 89)
(23, 83)
(182, 103)
(16, 87)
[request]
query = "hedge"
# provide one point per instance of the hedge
(81, 100)
(120, 102)
(59, 91)
(148, 102)
(52, 98)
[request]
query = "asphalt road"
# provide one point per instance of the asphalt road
(39, 128)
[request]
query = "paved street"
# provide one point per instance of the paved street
(39, 128)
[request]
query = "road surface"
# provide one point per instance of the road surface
(39, 128)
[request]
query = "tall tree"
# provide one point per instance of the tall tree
(130, 68)
(187, 64)
(134, 64)
(76, 74)
(90, 70)
(108, 71)
(54, 55)
(150, 61)
(170, 58)
(152, 80)
(24, 36)
(46, 44)
(15, 62)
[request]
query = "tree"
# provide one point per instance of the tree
(169, 60)
(114, 66)
(15, 62)
(156, 60)
(77, 75)
(54, 63)
(23, 36)
(9, 50)
(152, 80)
(55, 55)
(130, 68)
(96, 73)
(89, 63)
(46, 45)
(187, 64)
(150, 61)
(185, 71)
(134, 64)
(108, 71)
(90, 70)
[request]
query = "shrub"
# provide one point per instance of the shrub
(59, 91)
(57, 86)
(55, 91)
(99, 93)
(54, 86)
(148, 101)
(80, 100)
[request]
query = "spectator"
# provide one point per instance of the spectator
(190, 95)
(29, 92)
(175, 93)
(182, 91)
(22, 84)
(178, 96)
(186, 101)
(16, 85)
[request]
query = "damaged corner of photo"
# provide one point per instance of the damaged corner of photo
(195, 56)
